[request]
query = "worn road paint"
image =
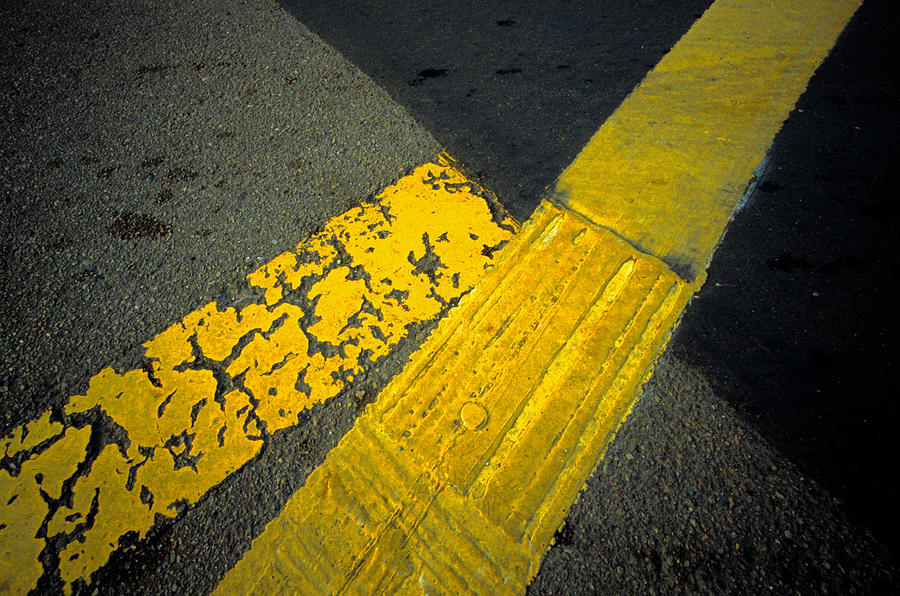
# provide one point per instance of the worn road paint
(456, 478)
(668, 167)
(149, 441)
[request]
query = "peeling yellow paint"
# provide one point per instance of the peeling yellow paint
(24, 501)
(104, 495)
(220, 381)
(456, 478)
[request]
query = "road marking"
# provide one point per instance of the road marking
(457, 477)
(668, 167)
(477, 448)
(142, 443)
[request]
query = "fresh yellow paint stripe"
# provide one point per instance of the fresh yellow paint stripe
(668, 167)
(139, 443)
(457, 477)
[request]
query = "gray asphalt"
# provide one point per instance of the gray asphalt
(794, 328)
(797, 324)
(760, 458)
(154, 153)
(512, 89)
(692, 500)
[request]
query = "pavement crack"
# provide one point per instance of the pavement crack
(147, 367)
(13, 463)
(429, 263)
(195, 411)
(434, 180)
(56, 544)
(275, 326)
(162, 406)
(252, 416)
(225, 383)
(385, 212)
(489, 251)
(183, 458)
(400, 296)
(133, 470)
(146, 496)
(355, 320)
(378, 334)
(300, 384)
(279, 365)
(433, 294)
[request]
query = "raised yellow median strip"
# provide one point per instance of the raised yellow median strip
(142, 443)
(667, 169)
(456, 478)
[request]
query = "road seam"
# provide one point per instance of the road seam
(457, 477)
(142, 445)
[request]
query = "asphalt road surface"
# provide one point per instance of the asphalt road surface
(153, 154)
(794, 327)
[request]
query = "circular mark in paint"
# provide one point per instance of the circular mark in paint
(473, 415)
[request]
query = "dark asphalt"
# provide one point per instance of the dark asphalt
(797, 326)
(153, 154)
(513, 90)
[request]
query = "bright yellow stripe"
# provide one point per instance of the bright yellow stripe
(456, 478)
(221, 379)
(667, 169)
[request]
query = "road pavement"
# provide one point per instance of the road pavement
(794, 327)
(153, 155)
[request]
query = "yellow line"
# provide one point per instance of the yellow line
(666, 170)
(469, 459)
(456, 478)
(139, 443)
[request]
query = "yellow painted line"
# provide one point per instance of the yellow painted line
(456, 478)
(140, 443)
(668, 167)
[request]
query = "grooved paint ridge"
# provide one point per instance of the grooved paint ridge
(456, 478)
(146, 443)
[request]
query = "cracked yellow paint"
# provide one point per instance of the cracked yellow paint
(23, 499)
(140, 444)
(456, 479)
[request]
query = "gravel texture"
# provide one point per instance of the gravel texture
(152, 154)
(690, 499)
